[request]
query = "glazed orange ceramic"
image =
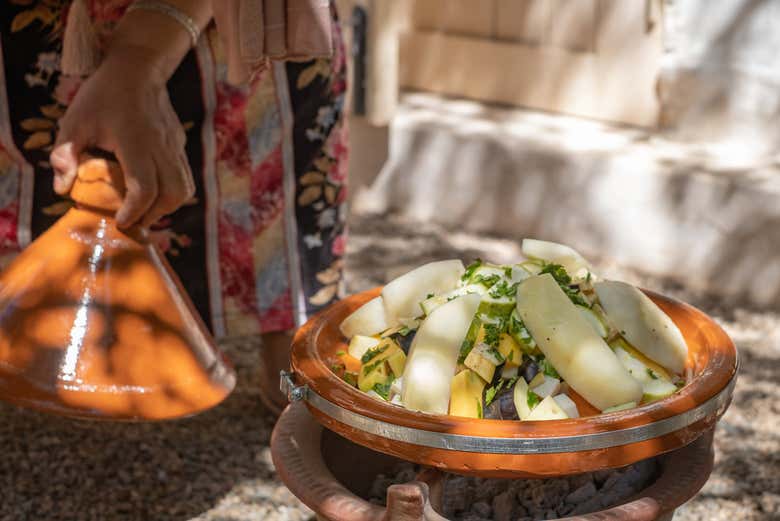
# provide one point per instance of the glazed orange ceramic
(496, 448)
(95, 324)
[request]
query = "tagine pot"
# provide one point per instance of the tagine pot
(514, 449)
(95, 324)
(333, 476)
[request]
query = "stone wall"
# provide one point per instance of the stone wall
(721, 80)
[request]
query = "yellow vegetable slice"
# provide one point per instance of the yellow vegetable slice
(466, 399)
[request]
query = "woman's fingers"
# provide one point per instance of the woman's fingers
(141, 183)
(64, 160)
(175, 184)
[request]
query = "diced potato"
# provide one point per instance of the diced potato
(397, 361)
(466, 397)
(552, 252)
(548, 409)
(548, 387)
(579, 355)
(403, 295)
(657, 389)
(509, 371)
(567, 405)
(482, 361)
(360, 344)
(372, 374)
(367, 320)
(510, 350)
(434, 355)
(520, 396)
(643, 324)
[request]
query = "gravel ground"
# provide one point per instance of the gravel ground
(217, 466)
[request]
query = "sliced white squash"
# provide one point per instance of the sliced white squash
(567, 339)
(621, 407)
(548, 409)
(434, 355)
(643, 324)
(403, 295)
(360, 344)
(552, 252)
(369, 319)
(594, 320)
(548, 387)
(641, 372)
(657, 389)
(568, 405)
(520, 397)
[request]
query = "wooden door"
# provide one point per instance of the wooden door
(594, 58)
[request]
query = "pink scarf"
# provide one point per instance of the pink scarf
(252, 33)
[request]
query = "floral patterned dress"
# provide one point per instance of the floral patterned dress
(260, 246)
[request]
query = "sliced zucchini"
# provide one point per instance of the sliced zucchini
(657, 389)
(521, 399)
(434, 355)
(643, 324)
(466, 391)
(373, 374)
(554, 253)
(367, 320)
(548, 409)
(403, 295)
(520, 334)
(360, 344)
(621, 407)
(594, 320)
(566, 338)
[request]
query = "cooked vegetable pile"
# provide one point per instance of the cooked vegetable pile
(543, 339)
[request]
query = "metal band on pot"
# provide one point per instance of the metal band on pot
(715, 406)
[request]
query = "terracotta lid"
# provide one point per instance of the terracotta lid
(499, 448)
(95, 324)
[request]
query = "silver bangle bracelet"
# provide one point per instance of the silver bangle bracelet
(169, 10)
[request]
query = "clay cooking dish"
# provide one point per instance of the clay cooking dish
(497, 448)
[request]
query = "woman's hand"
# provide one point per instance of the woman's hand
(124, 108)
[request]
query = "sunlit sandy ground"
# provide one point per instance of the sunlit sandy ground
(217, 466)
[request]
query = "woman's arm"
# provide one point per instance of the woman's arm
(124, 108)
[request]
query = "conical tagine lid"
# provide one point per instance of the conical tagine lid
(95, 324)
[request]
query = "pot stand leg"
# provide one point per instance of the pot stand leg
(409, 502)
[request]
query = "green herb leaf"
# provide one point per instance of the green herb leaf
(374, 351)
(382, 390)
(490, 394)
(487, 281)
(337, 367)
(341, 353)
(429, 295)
(508, 271)
(492, 334)
(547, 368)
(563, 279)
(351, 378)
(504, 289)
(470, 269)
(651, 374)
(533, 399)
(405, 330)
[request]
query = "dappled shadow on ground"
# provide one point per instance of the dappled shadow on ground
(213, 466)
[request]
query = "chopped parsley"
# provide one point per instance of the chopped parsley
(470, 269)
(350, 377)
(338, 367)
(490, 393)
(382, 390)
(520, 333)
(405, 330)
(487, 281)
(533, 399)
(503, 289)
(341, 353)
(429, 295)
(563, 279)
(492, 334)
(370, 367)
(508, 272)
(547, 368)
(374, 351)
(651, 374)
